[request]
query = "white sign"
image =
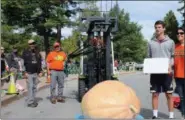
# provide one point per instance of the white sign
(156, 65)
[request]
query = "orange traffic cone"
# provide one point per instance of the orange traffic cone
(12, 86)
(48, 79)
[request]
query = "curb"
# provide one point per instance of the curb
(9, 99)
(126, 73)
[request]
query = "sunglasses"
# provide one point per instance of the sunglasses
(181, 33)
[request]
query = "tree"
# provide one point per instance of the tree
(171, 25)
(89, 8)
(70, 44)
(129, 44)
(39, 16)
(11, 39)
(181, 10)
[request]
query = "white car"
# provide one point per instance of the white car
(139, 66)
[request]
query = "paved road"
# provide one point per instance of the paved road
(140, 83)
(137, 81)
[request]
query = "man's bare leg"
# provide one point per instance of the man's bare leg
(155, 102)
(170, 104)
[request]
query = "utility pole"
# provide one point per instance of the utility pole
(81, 58)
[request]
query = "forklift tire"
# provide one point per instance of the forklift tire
(81, 89)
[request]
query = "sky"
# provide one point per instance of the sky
(145, 13)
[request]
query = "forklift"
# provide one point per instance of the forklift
(96, 53)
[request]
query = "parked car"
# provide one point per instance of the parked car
(139, 66)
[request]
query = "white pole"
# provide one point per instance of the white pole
(81, 58)
(112, 57)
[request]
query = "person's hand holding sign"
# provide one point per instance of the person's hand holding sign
(170, 70)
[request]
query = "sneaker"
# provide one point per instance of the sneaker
(154, 117)
(33, 105)
(53, 100)
(36, 103)
(183, 117)
(61, 100)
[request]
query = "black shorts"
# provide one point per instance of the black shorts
(161, 83)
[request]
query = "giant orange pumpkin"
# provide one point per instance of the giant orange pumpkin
(110, 99)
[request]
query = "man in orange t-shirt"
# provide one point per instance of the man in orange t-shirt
(56, 60)
(179, 69)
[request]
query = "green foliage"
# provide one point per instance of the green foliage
(70, 44)
(43, 13)
(181, 10)
(89, 8)
(11, 39)
(171, 25)
(73, 42)
(39, 16)
(129, 44)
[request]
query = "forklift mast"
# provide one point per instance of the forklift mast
(96, 52)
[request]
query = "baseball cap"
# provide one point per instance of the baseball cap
(2, 48)
(30, 41)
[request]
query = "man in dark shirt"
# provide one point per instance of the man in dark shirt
(14, 62)
(4, 65)
(32, 62)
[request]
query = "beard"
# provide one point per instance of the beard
(15, 52)
(2, 55)
(32, 49)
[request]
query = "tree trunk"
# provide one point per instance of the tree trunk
(46, 43)
(59, 33)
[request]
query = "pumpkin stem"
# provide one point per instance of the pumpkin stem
(133, 109)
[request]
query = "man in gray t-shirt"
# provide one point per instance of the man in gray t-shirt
(161, 46)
